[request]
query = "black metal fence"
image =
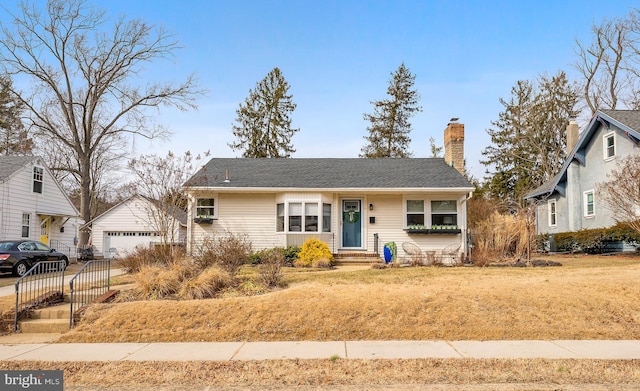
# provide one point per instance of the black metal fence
(91, 282)
(42, 285)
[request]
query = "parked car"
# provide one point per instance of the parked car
(18, 256)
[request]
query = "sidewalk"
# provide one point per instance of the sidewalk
(245, 351)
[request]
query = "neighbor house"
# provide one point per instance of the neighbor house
(134, 222)
(34, 206)
(569, 202)
(355, 205)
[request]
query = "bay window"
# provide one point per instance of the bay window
(303, 217)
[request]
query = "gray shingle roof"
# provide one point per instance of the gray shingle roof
(11, 164)
(329, 173)
(631, 118)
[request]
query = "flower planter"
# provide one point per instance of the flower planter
(203, 220)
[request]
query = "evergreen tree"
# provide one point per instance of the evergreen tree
(263, 128)
(529, 139)
(13, 137)
(389, 124)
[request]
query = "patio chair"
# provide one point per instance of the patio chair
(450, 255)
(413, 255)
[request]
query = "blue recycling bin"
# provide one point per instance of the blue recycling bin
(388, 255)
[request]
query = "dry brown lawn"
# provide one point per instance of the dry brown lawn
(587, 298)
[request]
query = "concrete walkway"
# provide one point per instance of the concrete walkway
(243, 351)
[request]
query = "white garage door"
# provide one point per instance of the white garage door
(119, 243)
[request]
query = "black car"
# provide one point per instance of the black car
(18, 256)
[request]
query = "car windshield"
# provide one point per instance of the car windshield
(5, 246)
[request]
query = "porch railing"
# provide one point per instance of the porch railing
(42, 285)
(91, 282)
(63, 248)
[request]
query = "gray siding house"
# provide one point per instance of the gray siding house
(569, 202)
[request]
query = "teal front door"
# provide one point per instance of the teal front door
(351, 224)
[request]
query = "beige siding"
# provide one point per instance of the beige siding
(255, 215)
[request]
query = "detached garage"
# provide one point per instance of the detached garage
(126, 226)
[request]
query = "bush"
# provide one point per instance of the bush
(140, 257)
(313, 250)
(229, 253)
(205, 285)
(594, 240)
(156, 282)
(271, 267)
(290, 254)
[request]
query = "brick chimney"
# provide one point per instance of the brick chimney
(454, 145)
(572, 135)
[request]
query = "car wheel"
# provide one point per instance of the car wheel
(62, 265)
(20, 269)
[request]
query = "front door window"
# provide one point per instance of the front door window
(351, 223)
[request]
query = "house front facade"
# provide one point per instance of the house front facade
(354, 205)
(34, 206)
(569, 202)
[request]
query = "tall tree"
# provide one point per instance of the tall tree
(608, 64)
(86, 92)
(263, 124)
(529, 139)
(389, 126)
(14, 139)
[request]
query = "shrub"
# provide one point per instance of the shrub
(594, 240)
(290, 254)
(502, 236)
(312, 251)
(156, 282)
(205, 285)
(140, 257)
(229, 253)
(271, 267)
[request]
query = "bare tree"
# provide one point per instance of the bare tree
(621, 192)
(85, 82)
(160, 181)
(607, 64)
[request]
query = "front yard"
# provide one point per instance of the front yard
(590, 297)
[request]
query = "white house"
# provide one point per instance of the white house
(130, 224)
(34, 206)
(569, 202)
(355, 205)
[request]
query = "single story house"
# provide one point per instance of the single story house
(134, 222)
(34, 206)
(569, 201)
(355, 205)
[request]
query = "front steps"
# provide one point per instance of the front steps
(357, 258)
(54, 319)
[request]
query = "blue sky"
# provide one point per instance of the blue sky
(338, 55)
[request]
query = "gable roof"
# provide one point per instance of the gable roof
(328, 173)
(180, 216)
(10, 164)
(628, 121)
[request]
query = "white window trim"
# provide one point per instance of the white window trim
(320, 216)
(586, 206)
(604, 146)
(38, 177)
(216, 205)
(554, 214)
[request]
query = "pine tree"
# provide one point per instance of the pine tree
(389, 124)
(263, 128)
(13, 137)
(528, 139)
